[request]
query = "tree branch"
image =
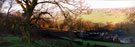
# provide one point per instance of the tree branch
(29, 1)
(56, 3)
(47, 2)
(27, 4)
(61, 9)
(40, 15)
(20, 3)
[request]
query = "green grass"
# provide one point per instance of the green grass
(108, 44)
(14, 42)
(17, 42)
(102, 17)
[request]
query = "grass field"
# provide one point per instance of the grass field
(102, 17)
(13, 41)
(91, 42)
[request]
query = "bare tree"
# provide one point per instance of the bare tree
(1, 4)
(11, 3)
(29, 6)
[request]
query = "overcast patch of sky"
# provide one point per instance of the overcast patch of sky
(16, 7)
(111, 3)
(99, 4)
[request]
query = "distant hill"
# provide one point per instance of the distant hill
(107, 15)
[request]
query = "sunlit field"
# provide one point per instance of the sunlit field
(102, 17)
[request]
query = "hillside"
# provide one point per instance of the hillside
(114, 15)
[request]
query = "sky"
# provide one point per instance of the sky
(101, 4)
(111, 4)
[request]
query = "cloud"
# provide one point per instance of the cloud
(111, 4)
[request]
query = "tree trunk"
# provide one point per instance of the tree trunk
(26, 33)
(28, 12)
(26, 28)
